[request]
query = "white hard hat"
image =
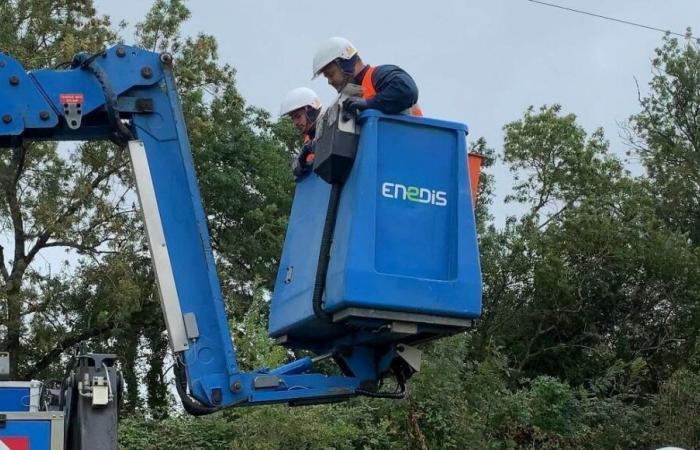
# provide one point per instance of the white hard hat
(333, 48)
(298, 98)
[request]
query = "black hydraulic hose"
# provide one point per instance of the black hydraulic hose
(191, 405)
(122, 134)
(398, 395)
(324, 254)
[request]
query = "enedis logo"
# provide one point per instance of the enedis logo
(414, 194)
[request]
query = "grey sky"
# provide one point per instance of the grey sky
(482, 62)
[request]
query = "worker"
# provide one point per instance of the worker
(387, 88)
(303, 106)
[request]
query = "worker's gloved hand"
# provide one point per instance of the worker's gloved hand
(354, 105)
(303, 163)
(297, 168)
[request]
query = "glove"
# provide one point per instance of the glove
(303, 163)
(354, 105)
(297, 168)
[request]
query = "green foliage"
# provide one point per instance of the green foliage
(677, 409)
(49, 200)
(486, 184)
(666, 134)
(588, 278)
(160, 29)
(590, 337)
(553, 161)
(42, 33)
(254, 347)
(271, 427)
(84, 201)
(241, 157)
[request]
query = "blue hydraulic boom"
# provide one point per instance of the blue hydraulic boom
(128, 95)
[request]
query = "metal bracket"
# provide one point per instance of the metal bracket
(191, 327)
(100, 391)
(141, 105)
(347, 121)
(73, 109)
(399, 316)
(4, 366)
(407, 328)
(266, 382)
(3, 420)
(411, 355)
(288, 275)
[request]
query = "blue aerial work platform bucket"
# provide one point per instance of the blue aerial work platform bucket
(404, 255)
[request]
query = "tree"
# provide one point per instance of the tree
(590, 279)
(665, 135)
(241, 157)
(84, 201)
(50, 201)
(589, 337)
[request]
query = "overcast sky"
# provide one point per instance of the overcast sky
(482, 62)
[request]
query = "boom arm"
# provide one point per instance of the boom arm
(128, 95)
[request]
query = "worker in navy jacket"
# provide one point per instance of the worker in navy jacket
(303, 106)
(387, 88)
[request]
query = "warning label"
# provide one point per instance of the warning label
(14, 443)
(70, 99)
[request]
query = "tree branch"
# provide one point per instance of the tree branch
(11, 178)
(555, 215)
(81, 247)
(65, 343)
(3, 269)
(69, 211)
(72, 339)
(529, 355)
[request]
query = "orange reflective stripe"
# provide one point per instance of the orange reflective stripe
(415, 111)
(368, 90)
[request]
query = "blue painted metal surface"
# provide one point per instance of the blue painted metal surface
(34, 105)
(211, 359)
(20, 101)
(291, 307)
(37, 432)
(14, 399)
(405, 238)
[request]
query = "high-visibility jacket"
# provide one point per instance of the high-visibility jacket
(369, 91)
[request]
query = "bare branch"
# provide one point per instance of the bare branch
(81, 247)
(65, 343)
(555, 215)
